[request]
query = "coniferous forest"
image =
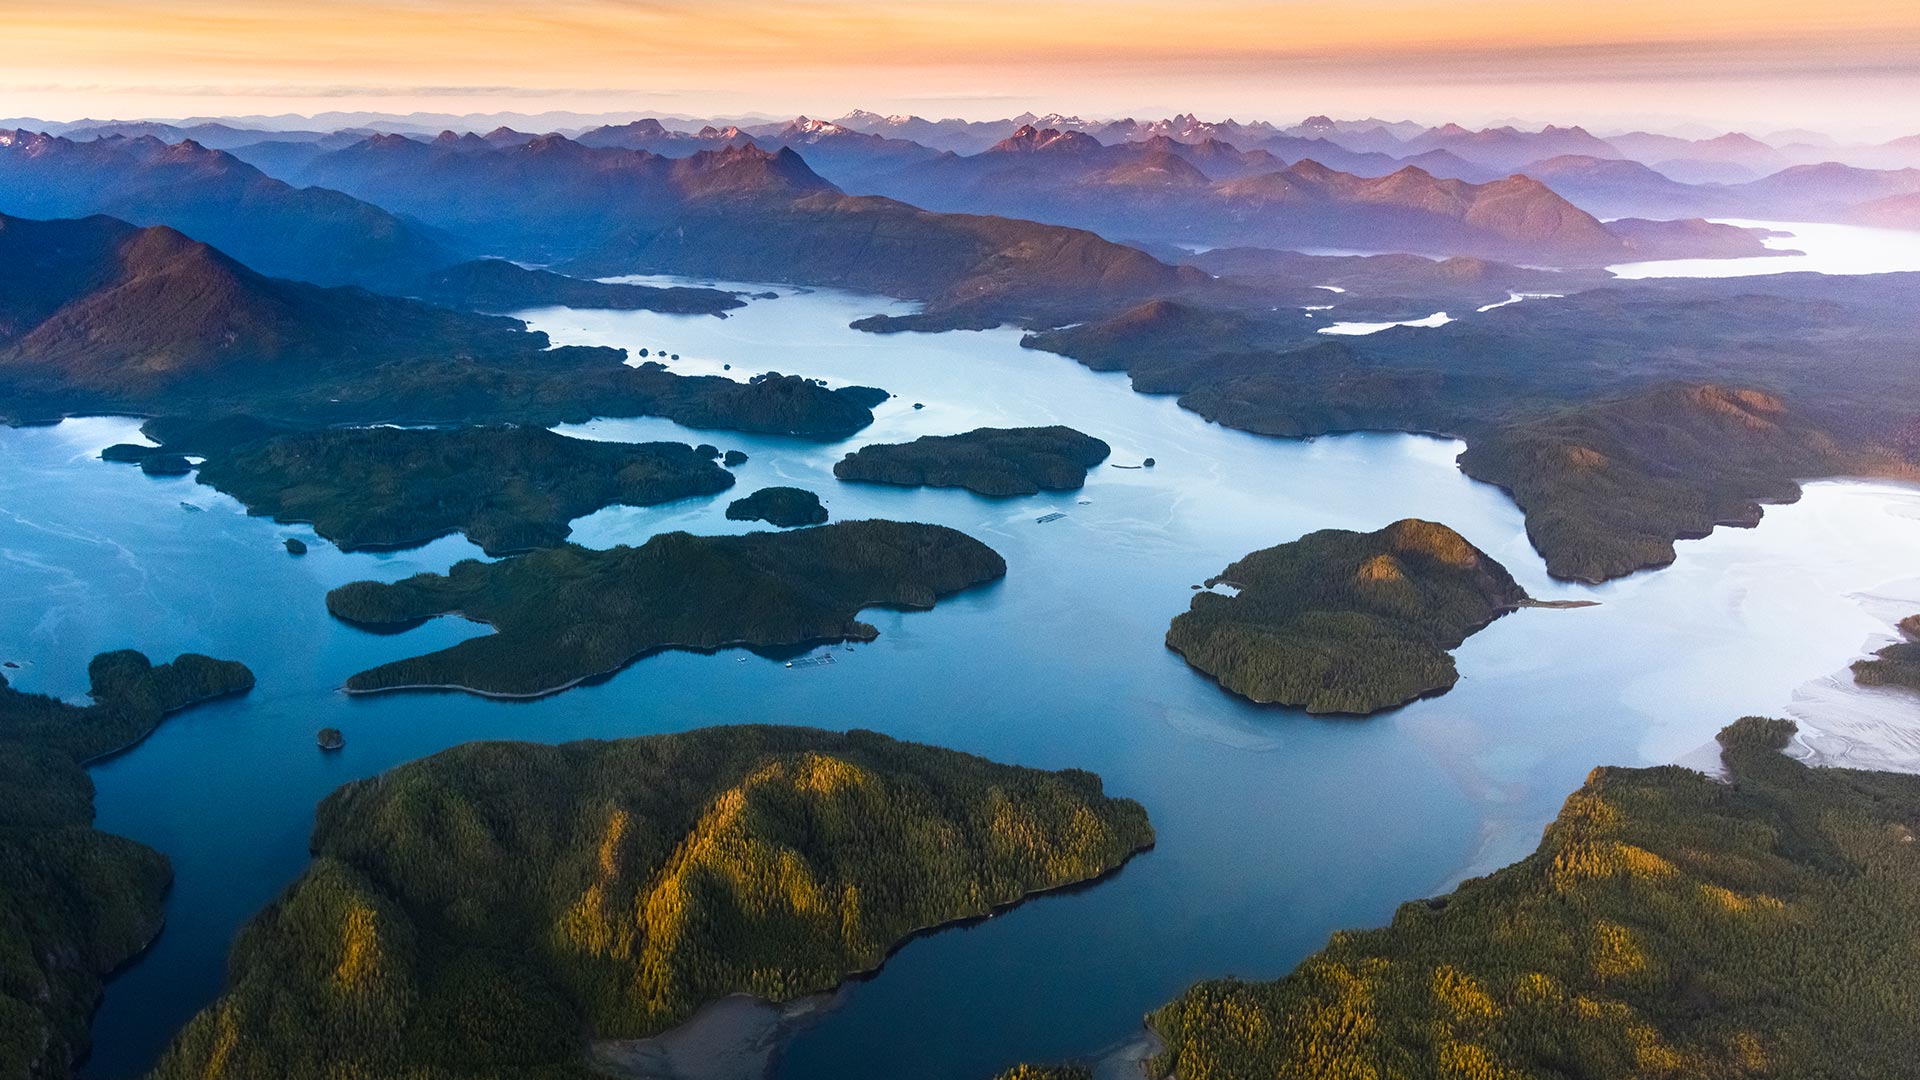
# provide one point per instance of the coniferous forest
(1671, 924)
(786, 507)
(986, 461)
(484, 912)
(1345, 622)
(567, 613)
(507, 488)
(1896, 665)
(75, 902)
(323, 325)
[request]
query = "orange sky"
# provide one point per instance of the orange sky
(1845, 63)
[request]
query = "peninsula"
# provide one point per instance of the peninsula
(1669, 924)
(75, 902)
(565, 614)
(1621, 419)
(1896, 665)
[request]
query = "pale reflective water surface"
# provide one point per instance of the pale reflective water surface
(1274, 828)
(1826, 249)
(1357, 329)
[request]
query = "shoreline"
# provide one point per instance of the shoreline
(108, 755)
(740, 1036)
(1554, 605)
(708, 650)
(530, 695)
(1127, 1059)
(1426, 694)
(1846, 724)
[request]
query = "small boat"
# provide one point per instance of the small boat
(789, 663)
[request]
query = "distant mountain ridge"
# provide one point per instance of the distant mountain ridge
(758, 213)
(866, 153)
(1213, 193)
(838, 152)
(100, 308)
(552, 196)
(312, 234)
(97, 315)
(973, 271)
(1702, 154)
(739, 212)
(1828, 191)
(1894, 212)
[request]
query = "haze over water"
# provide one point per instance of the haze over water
(1274, 828)
(1824, 248)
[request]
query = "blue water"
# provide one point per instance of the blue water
(1274, 828)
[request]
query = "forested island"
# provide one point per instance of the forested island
(786, 507)
(568, 613)
(1621, 419)
(1346, 622)
(75, 902)
(507, 488)
(1896, 665)
(1668, 925)
(985, 461)
(604, 890)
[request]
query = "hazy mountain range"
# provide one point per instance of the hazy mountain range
(1051, 217)
(308, 233)
(756, 214)
(100, 316)
(101, 309)
(1687, 155)
(1637, 174)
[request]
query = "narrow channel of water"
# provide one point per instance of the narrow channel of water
(1274, 828)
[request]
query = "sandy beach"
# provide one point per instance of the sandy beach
(735, 1038)
(1863, 727)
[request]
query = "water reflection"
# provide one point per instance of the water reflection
(1274, 828)
(1827, 249)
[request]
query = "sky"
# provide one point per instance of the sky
(1847, 66)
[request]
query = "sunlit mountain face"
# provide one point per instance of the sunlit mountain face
(965, 541)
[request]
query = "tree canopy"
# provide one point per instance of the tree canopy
(567, 613)
(1669, 925)
(75, 902)
(1345, 622)
(483, 912)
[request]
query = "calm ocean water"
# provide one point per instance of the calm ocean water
(1274, 828)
